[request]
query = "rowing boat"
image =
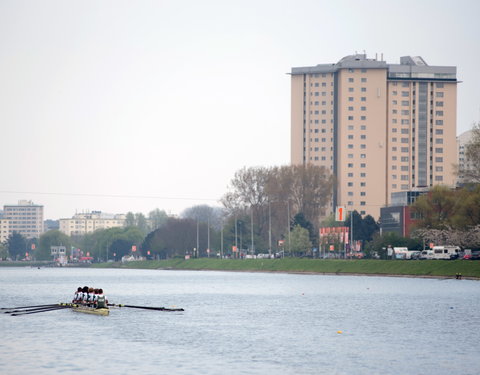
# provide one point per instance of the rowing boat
(91, 310)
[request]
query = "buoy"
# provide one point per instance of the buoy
(339, 332)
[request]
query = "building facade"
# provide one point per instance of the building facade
(25, 218)
(463, 163)
(379, 128)
(84, 223)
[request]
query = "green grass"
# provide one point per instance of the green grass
(438, 268)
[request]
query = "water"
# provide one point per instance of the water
(241, 323)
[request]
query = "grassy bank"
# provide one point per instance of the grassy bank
(437, 268)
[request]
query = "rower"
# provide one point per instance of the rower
(78, 296)
(85, 295)
(91, 297)
(102, 302)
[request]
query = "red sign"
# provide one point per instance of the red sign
(234, 249)
(134, 248)
(33, 246)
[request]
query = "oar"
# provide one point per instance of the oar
(37, 308)
(39, 311)
(26, 307)
(147, 307)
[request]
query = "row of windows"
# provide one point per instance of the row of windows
(438, 85)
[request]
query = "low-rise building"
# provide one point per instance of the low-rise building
(84, 223)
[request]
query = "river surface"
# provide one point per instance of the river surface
(241, 323)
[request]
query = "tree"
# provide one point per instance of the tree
(300, 241)
(3, 252)
(157, 218)
(16, 245)
(204, 214)
(436, 209)
(129, 219)
(49, 239)
(299, 219)
(141, 222)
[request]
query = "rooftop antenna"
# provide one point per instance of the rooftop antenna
(382, 57)
(376, 56)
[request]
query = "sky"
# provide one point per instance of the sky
(120, 106)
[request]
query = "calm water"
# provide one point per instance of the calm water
(241, 323)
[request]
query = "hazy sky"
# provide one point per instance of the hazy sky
(132, 105)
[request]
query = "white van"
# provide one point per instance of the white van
(445, 252)
(427, 254)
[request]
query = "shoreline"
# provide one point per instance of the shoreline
(440, 277)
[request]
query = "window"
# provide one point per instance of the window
(439, 113)
(438, 178)
(363, 156)
(363, 175)
(405, 84)
(404, 158)
(439, 169)
(439, 131)
(405, 102)
(363, 89)
(363, 136)
(350, 165)
(350, 193)
(405, 93)
(394, 93)
(404, 149)
(438, 122)
(363, 118)
(363, 146)
(439, 94)
(350, 184)
(362, 194)
(405, 122)
(363, 108)
(405, 112)
(439, 150)
(404, 140)
(363, 184)
(439, 141)
(439, 104)
(350, 146)
(362, 203)
(350, 98)
(363, 165)
(350, 174)
(363, 127)
(350, 118)
(350, 108)
(405, 131)
(350, 136)
(439, 85)
(404, 168)
(350, 89)
(350, 80)
(439, 159)
(394, 102)
(364, 80)
(363, 98)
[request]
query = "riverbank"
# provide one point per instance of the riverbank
(413, 268)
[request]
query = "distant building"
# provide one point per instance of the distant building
(25, 218)
(398, 216)
(463, 163)
(51, 225)
(84, 223)
(378, 127)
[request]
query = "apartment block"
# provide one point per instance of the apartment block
(25, 218)
(84, 223)
(379, 128)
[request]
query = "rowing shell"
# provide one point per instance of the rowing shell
(91, 310)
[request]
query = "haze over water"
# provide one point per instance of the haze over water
(241, 323)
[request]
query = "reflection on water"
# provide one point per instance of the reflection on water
(241, 323)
